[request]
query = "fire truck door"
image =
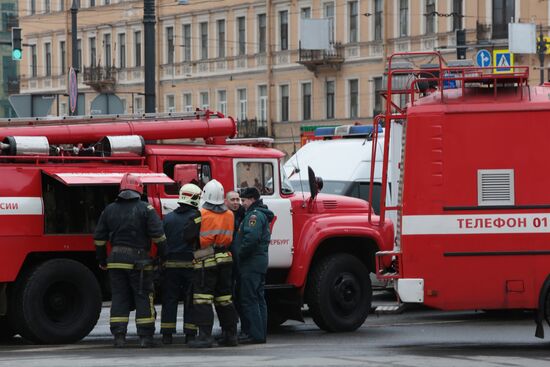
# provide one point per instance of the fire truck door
(264, 174)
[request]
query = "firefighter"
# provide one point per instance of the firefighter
(182, 227)
(129, 224)
(212, 283)
(253, 242)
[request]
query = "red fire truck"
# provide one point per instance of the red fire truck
(473, 227)
(59, 175)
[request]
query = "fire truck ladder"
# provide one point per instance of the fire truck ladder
(401, 79)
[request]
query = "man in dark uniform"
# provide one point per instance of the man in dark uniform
(182, 228)
(253, 243)
(130, 224)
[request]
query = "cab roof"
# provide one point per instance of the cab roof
(230, 151)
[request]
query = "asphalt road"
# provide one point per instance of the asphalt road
(418, 337)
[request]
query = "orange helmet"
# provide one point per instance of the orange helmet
(131, 182)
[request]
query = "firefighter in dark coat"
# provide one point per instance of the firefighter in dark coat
(253, 243)
(182, 228)
(130, 224)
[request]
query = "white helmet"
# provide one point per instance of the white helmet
(190, 194)
(213, 193)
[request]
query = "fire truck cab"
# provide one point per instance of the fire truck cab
(473, 214)
(59, 176)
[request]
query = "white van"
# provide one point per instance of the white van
(343, 160)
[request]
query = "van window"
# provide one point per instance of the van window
(361, 190)
(182, 173)
(256, 174)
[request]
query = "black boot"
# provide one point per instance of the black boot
(204, 340)
(120, 340)
(146, 341)
(166, 339)
(229, 337)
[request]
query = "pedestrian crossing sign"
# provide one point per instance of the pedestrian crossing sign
(504, 61)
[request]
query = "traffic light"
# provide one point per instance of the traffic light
(16, 44)
(460, 44)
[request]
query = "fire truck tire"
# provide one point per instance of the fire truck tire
(339, 293)
(58, 302)
(6, 331)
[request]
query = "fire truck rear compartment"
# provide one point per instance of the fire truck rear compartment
(73, 209)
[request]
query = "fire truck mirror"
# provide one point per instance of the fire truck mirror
(315, 183)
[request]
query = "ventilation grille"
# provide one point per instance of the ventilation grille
(495, 187)
(330, 204)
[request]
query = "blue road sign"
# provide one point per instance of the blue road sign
(483, 58)
(504, 61)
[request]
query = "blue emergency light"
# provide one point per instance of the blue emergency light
(346, 131)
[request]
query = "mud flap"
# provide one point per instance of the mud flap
(3, 299)
(287, 300)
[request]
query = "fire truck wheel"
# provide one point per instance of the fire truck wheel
(6, 332)
(339, 293)
(58, 302)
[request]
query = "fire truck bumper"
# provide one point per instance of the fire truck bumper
(410, 290)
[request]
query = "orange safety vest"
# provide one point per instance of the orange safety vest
(216, 228)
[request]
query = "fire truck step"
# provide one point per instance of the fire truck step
(390, 309)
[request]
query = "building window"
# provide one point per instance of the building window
(138, 102)
(137, 48)
(352, 21)
(107, 2)
(204, 40)
(457, 14)
(221, 38)
(284, 102)
(329, 88)
(107, 51)
(306, 101)
(243, 104)
(222, 101)
(261, 33)
(169, 45)
(283, 29)
(33, 60)
(47, 6)
(503, 11)
(122, 50)
(62, 5)
(170, 103)
(262, 103)
(33, 7)
(79, 52)
(91, 43)
(353, 89)
(188, 102)
(204, 100)
(403, 18)
(378, 24)
(305, 13)
(48, 58)
(241, 29)
(378, 99)
(186, 42)
(63, 56)
(92, 3)
(430, 16)
(329, 14)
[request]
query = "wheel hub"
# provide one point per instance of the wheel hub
(346, 292)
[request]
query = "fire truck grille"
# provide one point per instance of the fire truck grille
(330, 204)
(496, 187)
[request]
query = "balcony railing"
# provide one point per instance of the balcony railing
(251, 128)
(313, 59)
(101, 78)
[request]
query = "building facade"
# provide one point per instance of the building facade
(9, 75)
(244, 58)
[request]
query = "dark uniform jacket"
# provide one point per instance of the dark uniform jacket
(129, 223)
(182, 228)
(253, 238)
